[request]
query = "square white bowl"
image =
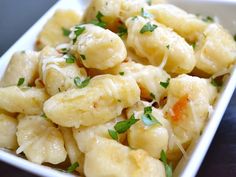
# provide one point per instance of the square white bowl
(225, 10)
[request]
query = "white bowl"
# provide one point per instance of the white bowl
(225, 10)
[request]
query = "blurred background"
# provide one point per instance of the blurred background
(17, 16)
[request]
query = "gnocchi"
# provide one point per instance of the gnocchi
(91, 105)
(166, 46)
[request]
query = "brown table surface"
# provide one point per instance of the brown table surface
(16, 16)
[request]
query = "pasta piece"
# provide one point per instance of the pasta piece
(92, 105)
(161, 46)
(100, 48)
(56, 74)
(147, 77)
(40, 140)
(131, 8)
(185, 24)
(108, 10)
(8, 132)
(132, 56)
(188, 102)
(75, 155)
(109, 158)
(154, 138)
(55, 30)
(85, 135)
(216, 50)
(22, 100)
(23, 64)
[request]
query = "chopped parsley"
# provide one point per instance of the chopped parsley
(149, 2)
(165, 84)
(82, 57)
(168, 168)
(168, 46)
(145, 14)
(44, 116)
(98, 21)
(147, 118)
(122, 73)
(113, 134)
(81, 84)
(65, 32)
(208, 19)
(124, 125)
(148, 27)
(134, 18)
(64, 50)
(152, 96)
(21, 81)
(235, 37)
(72, 168)
(194, 45)
(78, 31)
(70, 58)
(122, 30)
(216, 83)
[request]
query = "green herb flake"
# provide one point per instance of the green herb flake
(134, 18)
(148, 110)
(149, 2)
(81, 84)
(64, 50)
(216, 83)
(235, 37)
(194, 45)
(65, 32)
(165, 84)
(122, 73)
(208, 19)
(113, 134)
(124, 125)
(99, 16)
(168, 46)
(72, 168)
(168, 168)
(70, 58)
(44, 116)
(152, 96)
(78, 31)
(145, 14)
(21, 81)
(148, 27)
(149, 119)
(98, 23)
(82, 57)
(122, 30)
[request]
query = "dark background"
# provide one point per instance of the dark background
(16, 16)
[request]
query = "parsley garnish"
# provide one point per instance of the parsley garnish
(99, 21)
(122, 30)
(168, 168)
(122, 73)
(148, 27)
(113, 134)
(66, 32)
(147, 118)
(133, 18)
(72, 168)
(70, 58)
(152, 96)
(168, 46)
(194, 45)
(82, 57)
(81, 84)
(235, 37)
(78, 31)
(149, 2)
(21, 81)
(208, 19)
(44, 116)
(145, 14)
(64, 50)
(124, 125)
(165, 84)
(216, 83)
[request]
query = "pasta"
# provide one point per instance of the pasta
(167, 46)
(40, 140)
(91, 105)
(123, 92)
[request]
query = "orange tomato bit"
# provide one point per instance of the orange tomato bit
(178, 107)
